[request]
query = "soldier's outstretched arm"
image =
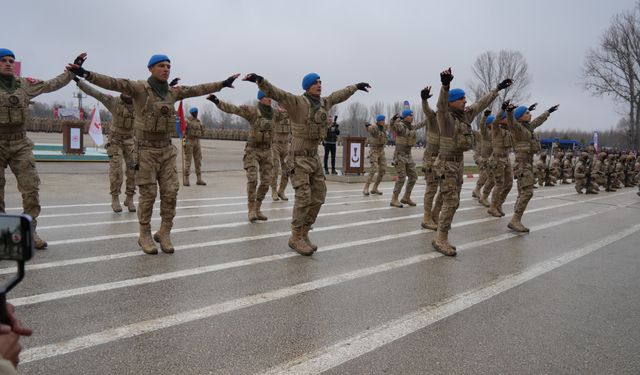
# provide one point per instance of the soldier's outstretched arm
(36, 88)
(107, 100)
(289, 101)
(340, 96)
(475, 109)
(543, 117)
(244, 112)
(183, 92)
(123, 85)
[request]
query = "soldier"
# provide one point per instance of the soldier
(280, 149)
(567, 168)
(377, 140)
(628, 171)
(455, 138)
(120, 146)
(599, 173)
(431, 210)
(617, 171)
(403, 160)
(258, 159)
(526, 144)
(502, 171)
(636, 172)
(153, 100)
(556, 167)
(582, 172)
(486, 180)
(308, 113)
(16, 149)
(193, 133)
(329, 144)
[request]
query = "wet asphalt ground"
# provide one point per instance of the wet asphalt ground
(375, 298)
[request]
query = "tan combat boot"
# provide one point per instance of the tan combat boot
(115, 203)
(200, 181)
(427, 221)
(499, 208)
(375, 190)
(163, 236)
(185, 181)
(259, 213)
(516, 225)
(394, 201)
(129, 203)
(38, 242)
(297, 243)
(441, 244)
(484, 200)
(252, 212)
(493, 210)
(476, 192)
(145, 241)
(281, 194)
(274, 195)
(365, 191)
(406, 199)
(304, 232)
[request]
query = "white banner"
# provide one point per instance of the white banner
(354, 155)
(69, 113)
(95, 128)
(74, 134)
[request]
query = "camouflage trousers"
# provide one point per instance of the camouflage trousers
(193, 151)
(487, 175)
(503, 177)
(450, 176)
(310, 188)
(432, 181)
(581, 183)
(18, 156)
(523, 172)
(279, 152)
(378, 164)
(157, 168)
(121, 150)
(258, 161)
(406, 167)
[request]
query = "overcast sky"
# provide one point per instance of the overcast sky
(396, 46)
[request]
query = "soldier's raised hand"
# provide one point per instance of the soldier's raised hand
(487, 112)
(425, 93)
(446, 77)
(395, 117)
(511, 107)
(229, 81)
(252, 77)
(363, 86)
(80, 59)
(504, 84)
(554, 108)
(505, 105)
(174, 81)
(213, 98)
(532, 107)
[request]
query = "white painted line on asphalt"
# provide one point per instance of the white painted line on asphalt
(372, 339)
(44, 297)
(102, 258)
(136, 329)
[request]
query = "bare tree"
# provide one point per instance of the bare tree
(491, 68)
(613, 68)
(356, 116)
(375, 109)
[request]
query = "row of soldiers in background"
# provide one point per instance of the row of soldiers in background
(606, 171)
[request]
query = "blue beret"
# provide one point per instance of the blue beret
(455, 94)
(520, 111)
(406, 112)
(156, 59)
(309, 80)
(380, 118)
(490, 119)
(193, 110)
(5, 52)
(260, 94)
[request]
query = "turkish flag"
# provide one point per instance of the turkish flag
(16, 68)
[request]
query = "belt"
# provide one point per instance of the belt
(500, 154)
(259, 145)
(376, 146)
(403, 148)
(524, 157)
(12, 136)
(280, 142)
(305, 153)
(451, 157)
(156, 143)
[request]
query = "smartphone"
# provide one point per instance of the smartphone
(16, 240)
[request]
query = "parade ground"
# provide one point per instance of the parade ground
(374, 299)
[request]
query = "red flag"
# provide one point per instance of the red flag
(183, 122)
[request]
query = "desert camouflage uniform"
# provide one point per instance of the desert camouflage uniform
(192, 150)
(377, 140)
(500, 164)
(403, 160)
(486, 180)
(431, 177)
(280, 150)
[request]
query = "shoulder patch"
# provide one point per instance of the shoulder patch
(32, 80)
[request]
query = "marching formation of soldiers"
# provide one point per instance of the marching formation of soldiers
(284, 140)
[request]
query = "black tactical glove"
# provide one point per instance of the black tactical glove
(446, 77)
(395, 117)
(366, 124)
(511, 107)
(80, 59)
(554, 108)
(504, 84)
(425, 93)
(229, 81)
(532, 107)
(213, 98)
(506, 104)
(79, 71)
(487, 112)
(252, 77)
(76, 79)
(174, 81)
(363, 86)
